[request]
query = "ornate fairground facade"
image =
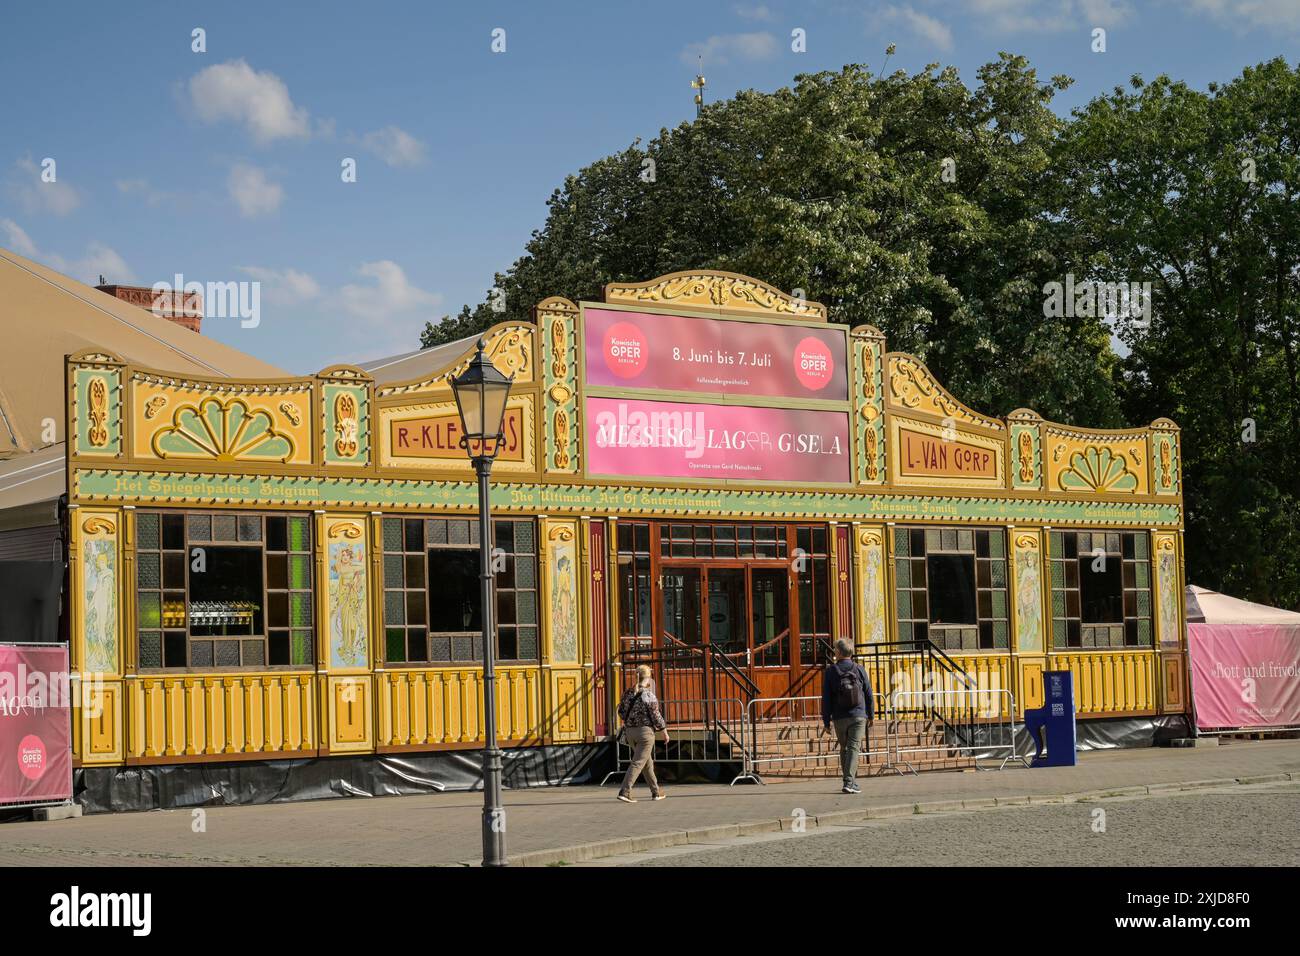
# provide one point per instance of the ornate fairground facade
(269, 571)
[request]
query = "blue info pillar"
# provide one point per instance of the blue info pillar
(1052, 725)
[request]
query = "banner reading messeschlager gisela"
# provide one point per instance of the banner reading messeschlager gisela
(35, 724)
(774, 409)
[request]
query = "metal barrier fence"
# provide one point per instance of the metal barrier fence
(980, 722)
(801, 720)
(691, 739)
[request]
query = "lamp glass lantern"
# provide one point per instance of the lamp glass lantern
(481, 392)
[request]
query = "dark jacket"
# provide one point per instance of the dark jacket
(640, 708)
(831, 680)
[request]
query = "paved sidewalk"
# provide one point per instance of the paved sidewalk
(444, 828)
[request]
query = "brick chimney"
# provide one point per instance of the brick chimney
(185, 310)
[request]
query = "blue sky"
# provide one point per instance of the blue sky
(226, 165)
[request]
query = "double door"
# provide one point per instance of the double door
(741, 610)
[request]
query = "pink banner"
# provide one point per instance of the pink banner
(35, 724)
(635, 438)
(1244, 675)
(697, 354)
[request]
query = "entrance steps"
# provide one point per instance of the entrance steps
(790, 748)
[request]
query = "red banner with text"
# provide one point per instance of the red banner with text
(35, 724)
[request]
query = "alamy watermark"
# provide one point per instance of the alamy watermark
(1095, 299)
(219, 300)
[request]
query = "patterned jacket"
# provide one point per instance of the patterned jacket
(640, 708)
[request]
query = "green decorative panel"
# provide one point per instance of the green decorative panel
(869, 406)
(214, 428)
(346, 426)
(557, 326)
(98, 411)
(1166, 469)
(1026, 464)
(111, 485)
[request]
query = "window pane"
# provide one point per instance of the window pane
(417, 644)
(393, 576)
(392, 534)
(173, 532)
(278, 609)
(174, 649)
(300, 571)
(436, 529)
(415, 607)
(298, 535)
(1101, 591)
(224, 528)
(454, 591)
(200, 527)
(395, 645)
(278, 644)
(146, 529)
(302, 647)
(149, 610)
(151, 648)
(277, 533)
(951, 585)
(147, 573)
(277, 570)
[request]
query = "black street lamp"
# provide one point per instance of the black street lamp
(481, 392)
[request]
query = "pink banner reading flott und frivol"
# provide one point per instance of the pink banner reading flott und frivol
(1245, 675)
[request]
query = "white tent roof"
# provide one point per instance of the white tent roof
(1221, 609)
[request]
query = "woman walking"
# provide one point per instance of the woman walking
(639, 710)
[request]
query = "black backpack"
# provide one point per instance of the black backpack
(849, 692)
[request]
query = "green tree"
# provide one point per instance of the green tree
(1199, 194)
(907, 201)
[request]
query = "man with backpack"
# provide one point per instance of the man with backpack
(847, 703)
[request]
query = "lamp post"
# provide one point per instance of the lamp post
(481, 392)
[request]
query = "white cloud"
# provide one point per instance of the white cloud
(391, 293)
(260, 100)
(395, 146)
(37, 196)
(720, 50)
(1047, 16)
(927, 27)
(253, 192)
(760, 11)
(142, 189)
(1247, 14)
(18, 240)
(100, 259)
(287, 287)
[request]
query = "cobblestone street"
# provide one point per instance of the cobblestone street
(548, 824)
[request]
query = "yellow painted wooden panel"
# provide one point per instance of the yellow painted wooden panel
(992, 674)
(349, 714)
(567, 705)
(222, 714)
(1030, 686)
(1110, 682)
(1173, 682)
(98, 721)
(444, 705)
